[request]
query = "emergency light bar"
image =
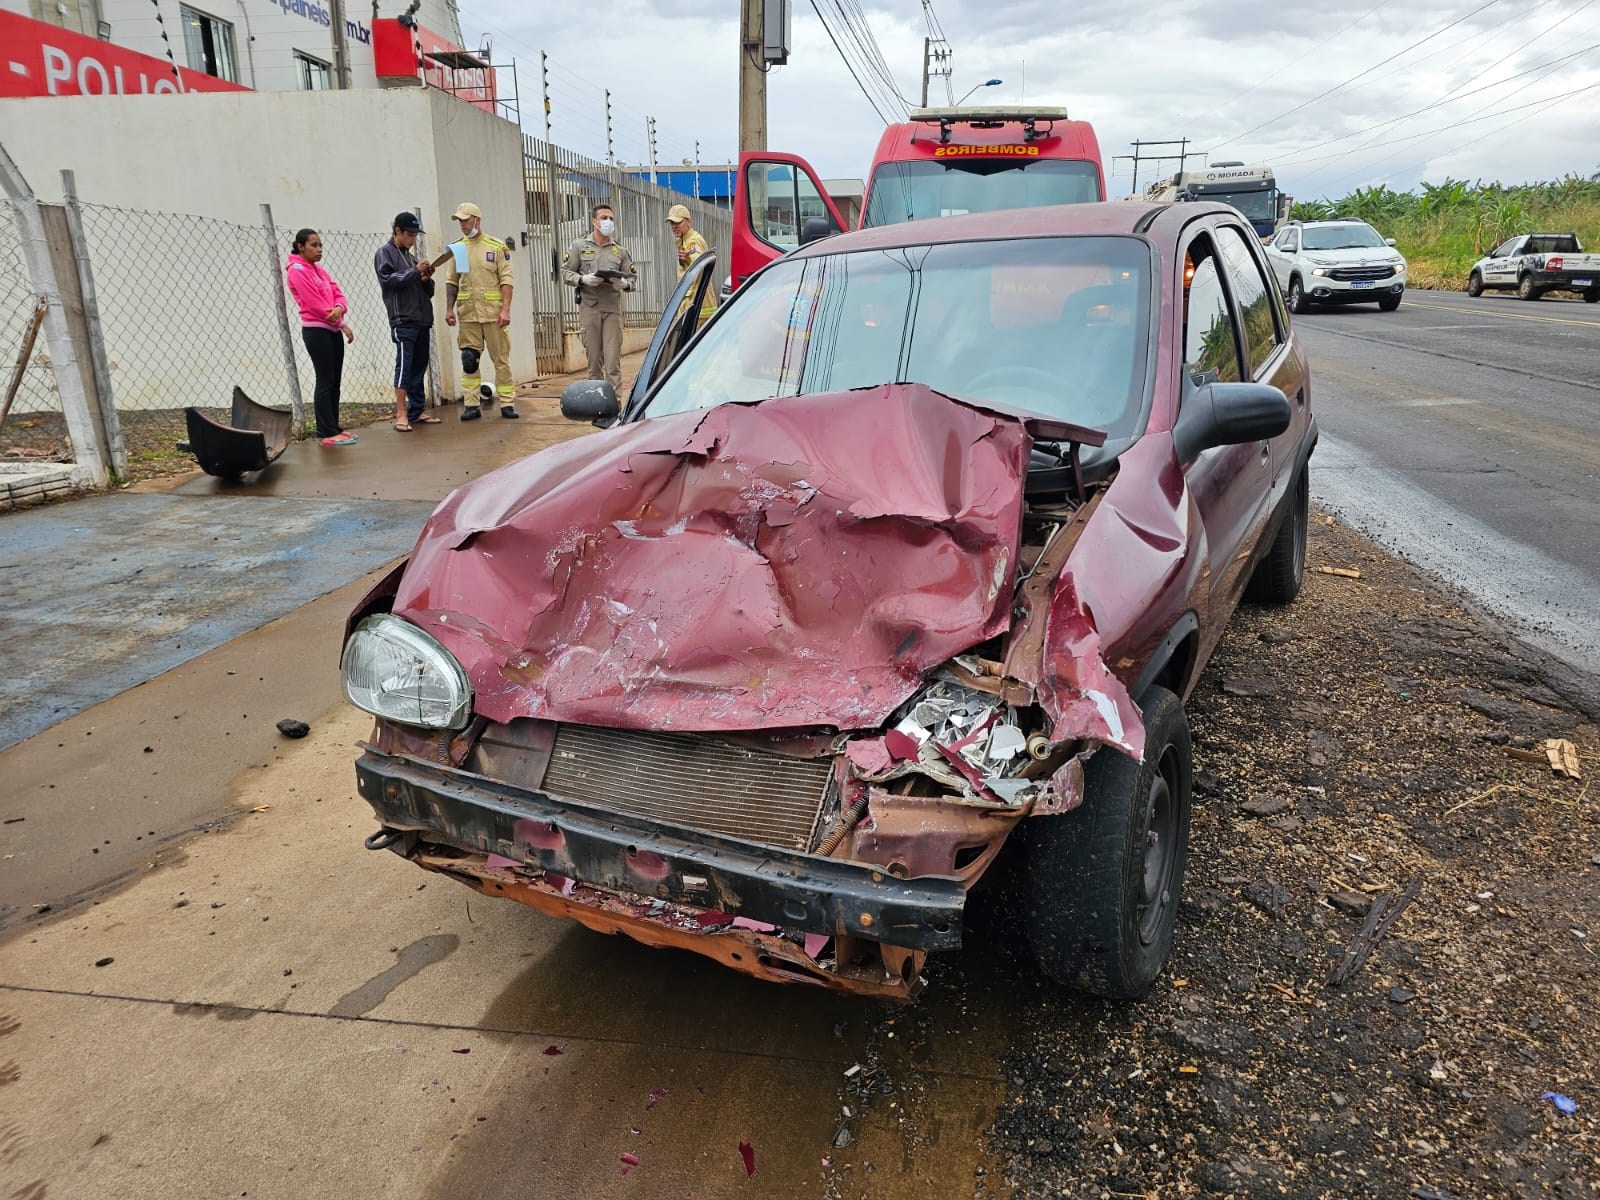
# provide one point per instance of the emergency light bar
(990, 117)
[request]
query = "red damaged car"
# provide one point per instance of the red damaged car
(918, 545)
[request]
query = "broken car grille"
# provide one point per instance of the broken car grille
(692, 781)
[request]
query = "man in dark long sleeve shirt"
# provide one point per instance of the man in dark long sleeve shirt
(408, 297)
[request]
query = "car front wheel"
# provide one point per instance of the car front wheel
(1296, 296)
(1103, 882)
(1389, 304)
(1592, 296)
(1525, 288)
(1474, 284)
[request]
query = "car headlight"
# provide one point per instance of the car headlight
(395, 671)
(1319, 271)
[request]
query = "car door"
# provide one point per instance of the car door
(680, 321)
(1275, 256)
(1229, 485)
(1269, 357)
(774, 198)
(1502, 267)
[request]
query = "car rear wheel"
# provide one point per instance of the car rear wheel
(1525, 288)
(1278, 576)
(1103, 883)
(1592, 296)
(1474, 284)
(1389, 304)
(1296, 296)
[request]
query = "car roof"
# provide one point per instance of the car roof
(1159, 221)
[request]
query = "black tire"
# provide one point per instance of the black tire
(1295, 297)
(1525, 288)
(1592, 296)
(1474, 285)
(1103, 883)
(1389, 304)
(1278, 576)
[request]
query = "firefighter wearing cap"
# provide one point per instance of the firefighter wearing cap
(478, 303)
(690, 246)
(600, 296)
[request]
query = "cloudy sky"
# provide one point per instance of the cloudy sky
(1335, 96)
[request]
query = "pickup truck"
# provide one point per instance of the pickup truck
(1536, 263)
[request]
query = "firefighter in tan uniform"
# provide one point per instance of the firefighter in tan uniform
(600, 296)
(478, 303)
(690, 245)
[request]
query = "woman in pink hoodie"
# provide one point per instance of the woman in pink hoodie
(322, 312)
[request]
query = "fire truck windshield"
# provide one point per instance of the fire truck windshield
(911, 191)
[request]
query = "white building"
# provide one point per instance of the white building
(265, 45)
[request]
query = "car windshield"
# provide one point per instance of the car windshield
(1258, 206)
(1055, 326)
(911, 191)
(1340, 237)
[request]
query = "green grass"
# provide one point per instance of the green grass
(1444, 228)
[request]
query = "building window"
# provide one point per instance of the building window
(209, 44)
(315, 75)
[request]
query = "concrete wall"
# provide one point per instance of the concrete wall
(331, 160)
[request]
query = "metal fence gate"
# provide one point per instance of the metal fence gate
(561, 187)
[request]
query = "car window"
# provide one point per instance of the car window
(1507, 248)
(782, 199)
(1292, 243)
(1210, 350)
(1251, 294)
(1357, 235)
(1057, 326)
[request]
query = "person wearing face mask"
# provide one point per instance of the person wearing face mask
(601, 268)
(478, 304)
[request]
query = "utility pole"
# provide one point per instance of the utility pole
(611, 154)
(650, 134)
(341, 56)
(752, 77)
(934, 50)
(1138, 156)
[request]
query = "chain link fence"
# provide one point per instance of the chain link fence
(562, 187)
(19, 303)
(189, 310)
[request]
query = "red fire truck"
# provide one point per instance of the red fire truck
(943, 162)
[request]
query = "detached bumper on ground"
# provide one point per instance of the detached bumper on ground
(661, 884)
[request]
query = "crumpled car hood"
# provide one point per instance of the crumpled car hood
(799, 561)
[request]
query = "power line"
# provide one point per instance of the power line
(848, 64)
(1447, 98)
(1313, 50)
(1353, 78)
(864, 47)
(1411, 137)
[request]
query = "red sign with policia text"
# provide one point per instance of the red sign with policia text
(37, 59)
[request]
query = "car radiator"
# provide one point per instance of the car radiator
(693, 782)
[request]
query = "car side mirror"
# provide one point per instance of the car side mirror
(590, 400)
(1388, 241)
(814, 230)
(1229, 414)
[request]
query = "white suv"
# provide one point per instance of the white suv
(1336, 262)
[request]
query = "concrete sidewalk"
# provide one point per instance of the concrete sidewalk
(154, 636)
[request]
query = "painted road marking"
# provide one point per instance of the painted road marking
(1509, 316)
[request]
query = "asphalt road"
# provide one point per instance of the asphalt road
(1463, 435)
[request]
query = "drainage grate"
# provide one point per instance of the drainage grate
(692, 781)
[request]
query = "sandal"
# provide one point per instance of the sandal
(401, 427)
(426, 420)
(342, 439)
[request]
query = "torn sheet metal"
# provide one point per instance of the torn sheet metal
(797, 562)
